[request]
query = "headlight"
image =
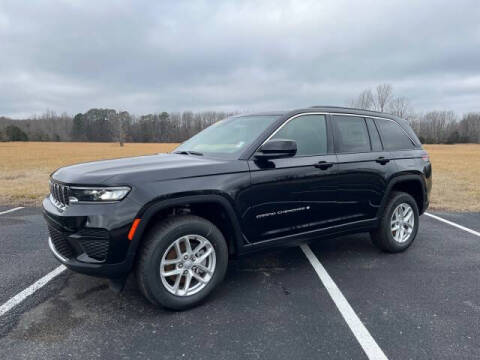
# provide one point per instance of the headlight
(79, 194)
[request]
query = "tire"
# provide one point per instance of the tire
(162, 246)
(383, 237)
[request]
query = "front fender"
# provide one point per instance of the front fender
(152, 208)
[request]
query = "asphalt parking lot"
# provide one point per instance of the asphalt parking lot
(421, 304)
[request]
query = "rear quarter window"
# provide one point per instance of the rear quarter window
(393, 136)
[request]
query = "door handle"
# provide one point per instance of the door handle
(324, 165)
(382, 160)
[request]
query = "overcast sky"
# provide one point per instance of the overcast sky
(151, 56)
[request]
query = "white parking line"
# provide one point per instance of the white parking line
(361, 333)
(453, 224)
(17, 299)
(11, 210)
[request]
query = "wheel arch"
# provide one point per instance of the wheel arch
(213, 207)
(412, 184)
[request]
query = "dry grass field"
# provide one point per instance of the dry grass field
(25, 167)
(456, 177)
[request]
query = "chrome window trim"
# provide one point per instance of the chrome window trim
(286, 122)
(333, 114)
(413, 142)
(377, 117)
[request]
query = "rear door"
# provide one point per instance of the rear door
(297, 194)
(363, 167)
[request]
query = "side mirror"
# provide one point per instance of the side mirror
(276, 149)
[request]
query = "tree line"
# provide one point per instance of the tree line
(109, 125)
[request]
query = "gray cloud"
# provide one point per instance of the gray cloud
(148, 56)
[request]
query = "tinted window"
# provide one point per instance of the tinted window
(350, 134)
(374, 137)
(393, 137)
(310, 133)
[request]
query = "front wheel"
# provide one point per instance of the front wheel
(399, 224)
(183, 259)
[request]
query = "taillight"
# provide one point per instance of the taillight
(425, 157)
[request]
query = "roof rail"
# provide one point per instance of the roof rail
(344, 108)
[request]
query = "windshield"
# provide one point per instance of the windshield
(227, 138)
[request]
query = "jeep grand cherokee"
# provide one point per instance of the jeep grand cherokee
(245, 183)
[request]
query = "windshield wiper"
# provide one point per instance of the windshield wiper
(188, 153)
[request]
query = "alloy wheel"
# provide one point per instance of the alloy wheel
(188, 265)
(402, 222)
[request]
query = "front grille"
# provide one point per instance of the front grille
(95, 248)
(60, 242)
(59, 194)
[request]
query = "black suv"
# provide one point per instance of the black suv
(243, 184)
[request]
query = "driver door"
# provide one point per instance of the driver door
(293, 195)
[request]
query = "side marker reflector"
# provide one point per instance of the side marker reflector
(131, 233)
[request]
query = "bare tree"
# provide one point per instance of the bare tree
(364, 100)
(469, 128)
(400, 106)
(436, 127)
(378, 100)
(382, 97)
(122, 121)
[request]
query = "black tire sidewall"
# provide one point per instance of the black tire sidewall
(162, 240)
(391, 244)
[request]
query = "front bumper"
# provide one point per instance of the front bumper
(91, 239)
(112, 271)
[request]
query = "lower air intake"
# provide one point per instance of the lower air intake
(95, 248)
(60, 243)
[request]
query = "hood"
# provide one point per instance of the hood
(159, 167)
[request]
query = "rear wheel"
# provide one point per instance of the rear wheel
(399, 224)
(182, 261)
